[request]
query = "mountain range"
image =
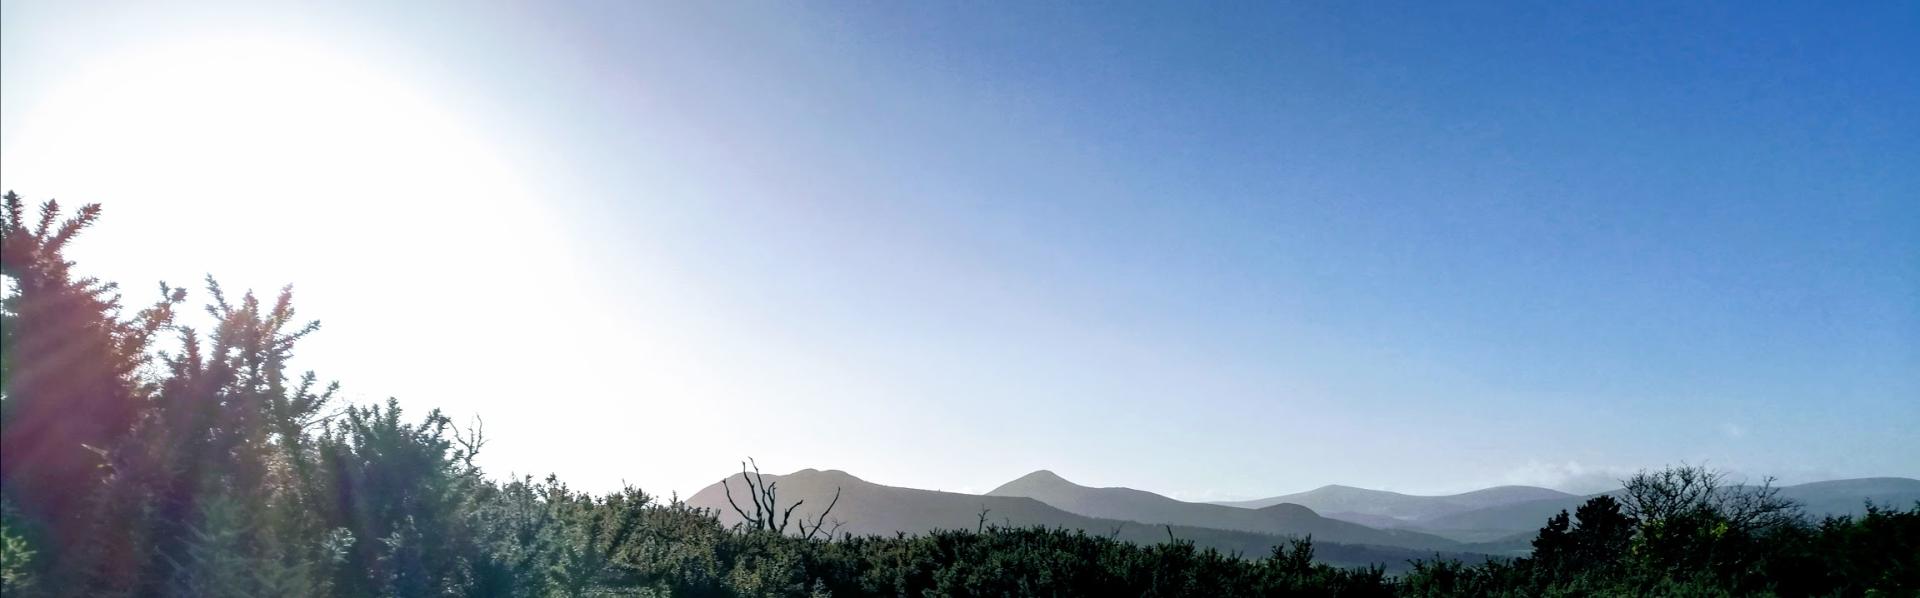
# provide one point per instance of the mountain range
(1337, 500)
(1286, 519)
(1349, 526)
(1818, 499)
(866, 508)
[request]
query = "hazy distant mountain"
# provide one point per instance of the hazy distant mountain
(1375, 521)
(1146, 507)
(1818, 499)
(1497, 522)
(1045, 499)
(868, 508)
(1848, 497)
(1369, 505)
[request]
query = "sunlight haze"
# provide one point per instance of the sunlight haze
(1217, 256)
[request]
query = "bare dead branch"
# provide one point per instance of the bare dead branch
(821, 519)
(752, 522)
(767, 516)
(787, 516)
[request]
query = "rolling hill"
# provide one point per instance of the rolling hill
(1817, 499)
(1368, 506)
(1128, 504)
(1404, 526)
(1848, 497)
(867, 508)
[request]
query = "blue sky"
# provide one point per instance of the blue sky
(1218, 252)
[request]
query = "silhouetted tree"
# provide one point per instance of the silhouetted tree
(67, 370)
(1587, 545)
(1693, 491)
(1692, 521)
(1601, 535)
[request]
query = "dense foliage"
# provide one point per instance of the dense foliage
(212, 470)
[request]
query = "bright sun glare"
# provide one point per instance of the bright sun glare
(1380, 299)
(263, 131)
(269, 161)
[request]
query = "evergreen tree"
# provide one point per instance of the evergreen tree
(68, 392)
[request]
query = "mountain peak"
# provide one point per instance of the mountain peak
(834, 475)
(1042, 475)
(1331, 487)
(1037, 481)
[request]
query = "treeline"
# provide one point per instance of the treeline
(140, 456)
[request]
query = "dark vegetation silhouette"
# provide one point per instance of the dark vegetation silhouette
(211, 469)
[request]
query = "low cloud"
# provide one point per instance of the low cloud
(1569, 476)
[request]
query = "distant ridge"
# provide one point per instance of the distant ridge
(1816, 499)
(1401, 526)
(874, 509)
(1146, 507)
(1375, 504)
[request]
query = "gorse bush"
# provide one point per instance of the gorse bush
(212, 469)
